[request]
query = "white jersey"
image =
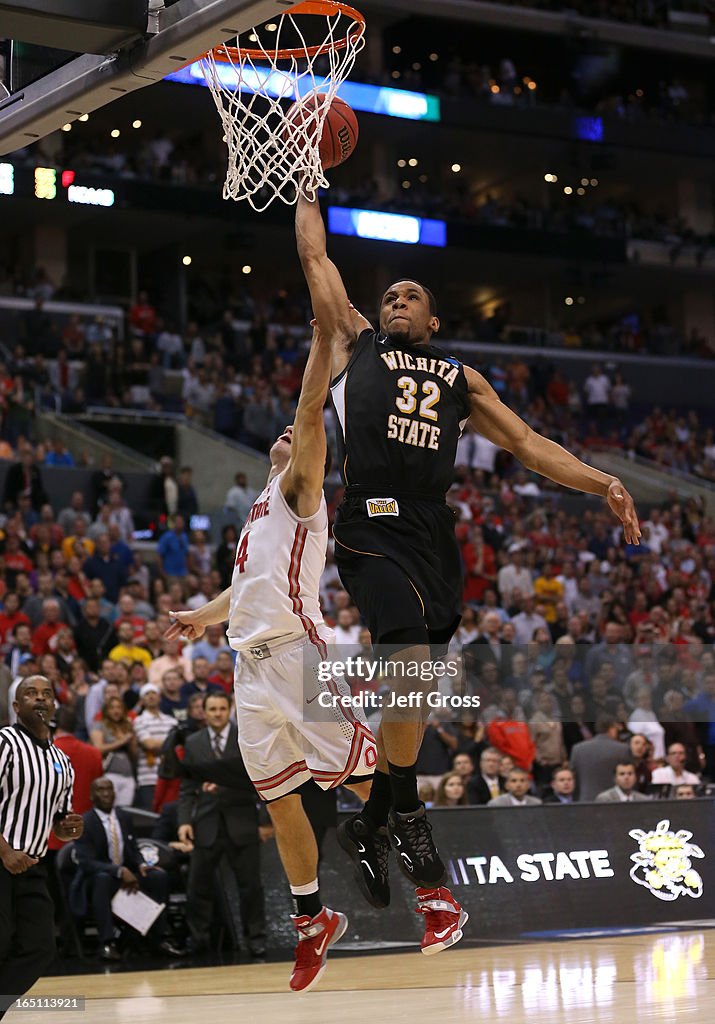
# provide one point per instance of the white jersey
(276, 577)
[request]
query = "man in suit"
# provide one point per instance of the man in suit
(624, 790)
(221, 822)
(594, 761)
(489, 647)
(518, 782)
(563, 785)
(488, 784)
(24, 477)
(109, 859)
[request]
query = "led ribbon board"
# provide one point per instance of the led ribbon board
(386, 227)
(371, 99)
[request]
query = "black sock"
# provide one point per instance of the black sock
(403, 783)
(380, 800)
(310, 904)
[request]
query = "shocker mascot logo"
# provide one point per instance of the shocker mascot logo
(663, 863)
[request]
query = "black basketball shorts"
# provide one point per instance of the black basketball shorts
(399, 561)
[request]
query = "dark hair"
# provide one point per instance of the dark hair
(624, 762)
(604, 722)
(430, 298)
(561, 768)
(220, 694)
(66, 719)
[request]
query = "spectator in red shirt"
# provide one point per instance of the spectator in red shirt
(49, 626)
(9, 618)
(15, 558)
(47, 519)
(86, 761)
(222, 673)
(142, 316)
(557, 390)
(77, 582)
(480, 567)
(127, 613)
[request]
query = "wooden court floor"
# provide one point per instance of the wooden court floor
(666, 976)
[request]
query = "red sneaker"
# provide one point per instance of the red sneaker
(444, 919)
(315, 936)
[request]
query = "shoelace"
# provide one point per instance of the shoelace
(382, 854)
(419, 836)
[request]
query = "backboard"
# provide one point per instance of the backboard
(46, 87)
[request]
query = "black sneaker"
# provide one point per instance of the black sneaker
(369, 849)
(410, 837)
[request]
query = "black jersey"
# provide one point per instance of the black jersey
(400, 412)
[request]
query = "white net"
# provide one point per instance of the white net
(274, 95)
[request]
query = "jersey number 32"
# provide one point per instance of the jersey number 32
(407, 402)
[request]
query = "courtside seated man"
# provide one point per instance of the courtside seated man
(401, 404)
(275, 623)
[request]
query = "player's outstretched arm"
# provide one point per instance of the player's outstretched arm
(302, 483)
(331, 306)
(191, 625)
(496, 421)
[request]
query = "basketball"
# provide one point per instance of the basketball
(340, 134)
(340, 129)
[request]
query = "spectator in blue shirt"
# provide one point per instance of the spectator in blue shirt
(173, 550)
(107, 567)
(701, 709)
(200, 683)
(172, 700)
(58, 455)
(123, 552)
(188, 502)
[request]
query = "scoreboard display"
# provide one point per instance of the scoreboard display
(52, 185)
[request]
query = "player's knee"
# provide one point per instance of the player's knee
(284, 808)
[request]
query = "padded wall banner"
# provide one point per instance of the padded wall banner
(533, 871)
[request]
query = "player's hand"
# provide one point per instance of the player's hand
(185, 625)
(265, 833)
(210, 787)
(16, 862)
(620, 502)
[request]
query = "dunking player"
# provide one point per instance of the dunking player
(401, 404)
(276, 625)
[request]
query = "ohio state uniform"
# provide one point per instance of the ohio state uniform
(276, 625)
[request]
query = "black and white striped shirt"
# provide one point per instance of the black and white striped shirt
(36, 782)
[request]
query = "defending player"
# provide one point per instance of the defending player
(276, 625)
(401, 405)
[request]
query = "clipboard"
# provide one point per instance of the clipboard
(136, 909)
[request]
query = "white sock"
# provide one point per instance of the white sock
(305, 890)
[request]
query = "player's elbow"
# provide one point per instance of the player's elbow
(523, 447)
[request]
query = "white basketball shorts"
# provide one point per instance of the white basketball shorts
(281, 747)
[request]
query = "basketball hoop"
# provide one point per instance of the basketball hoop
(272, 148)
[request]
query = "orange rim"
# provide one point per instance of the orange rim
(234, 54)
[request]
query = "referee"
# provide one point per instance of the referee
(35, 796)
